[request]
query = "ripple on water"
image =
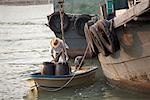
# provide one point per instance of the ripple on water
(23, 48)
(12, 86)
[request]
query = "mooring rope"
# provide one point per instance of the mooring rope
(61, 3)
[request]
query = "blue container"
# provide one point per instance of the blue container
(48, 68)
(62, 69)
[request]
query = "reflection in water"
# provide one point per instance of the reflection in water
(98, 91)
(74, 93)
(24, 42)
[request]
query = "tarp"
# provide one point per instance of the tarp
(120, 4)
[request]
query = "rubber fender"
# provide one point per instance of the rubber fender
(55, 22)
(80, 22)
(89, 38)
(105, 39)
(98, 42)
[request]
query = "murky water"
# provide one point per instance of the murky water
(24, 41)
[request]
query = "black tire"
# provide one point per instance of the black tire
(80, 22)
(54, 22)
(105, 39)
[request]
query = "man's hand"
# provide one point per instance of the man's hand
(52, 56)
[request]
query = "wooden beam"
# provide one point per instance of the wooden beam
(132, 13)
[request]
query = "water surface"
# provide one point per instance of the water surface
(24, 42)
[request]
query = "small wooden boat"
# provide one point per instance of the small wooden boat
(82, 76)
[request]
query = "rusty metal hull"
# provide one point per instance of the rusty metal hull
(139, 86)
(74, 52)
(130, 67)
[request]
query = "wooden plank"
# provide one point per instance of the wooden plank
(132, 13)
(134, 42)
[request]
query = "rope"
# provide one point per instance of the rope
(84, 55)
(60, 88)
(62, 25)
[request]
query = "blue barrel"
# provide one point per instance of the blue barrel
(62, 69)
(48, 68)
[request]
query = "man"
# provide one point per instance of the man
(78, 62)
(56, 50)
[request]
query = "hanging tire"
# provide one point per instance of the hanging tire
(80, 22)
(105, 39)
(98, 41)
(55, 22)
(90, 38)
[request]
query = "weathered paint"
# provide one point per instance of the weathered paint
(85, 75)
(130, 67)
(132, 13)
(139, 86)
(74, 52)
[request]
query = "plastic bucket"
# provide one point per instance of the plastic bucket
(62, 69)
(48, 68)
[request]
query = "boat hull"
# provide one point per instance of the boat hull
(130, 67)
(87, 76)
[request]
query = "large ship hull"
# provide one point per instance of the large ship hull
(130, 67)
(73, 32)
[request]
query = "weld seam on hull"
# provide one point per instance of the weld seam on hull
(126, 61)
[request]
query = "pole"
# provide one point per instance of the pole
(61, 3)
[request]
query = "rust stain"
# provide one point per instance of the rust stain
(143, 77)
(127, 39)
(144, 38)
(139, 86)
(133, 78)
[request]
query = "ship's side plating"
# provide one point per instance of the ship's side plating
(130, 67)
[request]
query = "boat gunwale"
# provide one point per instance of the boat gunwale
(60, 77)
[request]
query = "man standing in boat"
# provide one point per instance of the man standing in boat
(57, 50)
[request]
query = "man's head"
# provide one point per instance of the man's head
(55, 42)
